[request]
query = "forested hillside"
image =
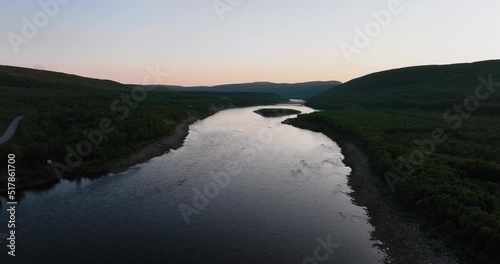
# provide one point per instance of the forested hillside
(433, 134)
(61, 111)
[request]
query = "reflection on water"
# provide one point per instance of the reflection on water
(252, 189)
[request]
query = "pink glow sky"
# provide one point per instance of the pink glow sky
(258, 40)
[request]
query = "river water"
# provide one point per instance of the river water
(242, 189)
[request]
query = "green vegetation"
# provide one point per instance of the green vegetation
(61, 111)
(276, 112)
(434, 134)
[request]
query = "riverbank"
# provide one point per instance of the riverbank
(159, 147)
(144, 154)
(403, 240)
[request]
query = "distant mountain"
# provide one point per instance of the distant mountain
(433, 87)
(32, 78)
(290, 91)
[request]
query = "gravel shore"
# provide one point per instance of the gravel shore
(403, 240)
(159, 147)
(163, 145)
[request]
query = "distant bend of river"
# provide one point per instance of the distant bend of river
(242, 189)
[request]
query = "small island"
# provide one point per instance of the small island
(276, 112)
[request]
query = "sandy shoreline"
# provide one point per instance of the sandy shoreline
(403, 240)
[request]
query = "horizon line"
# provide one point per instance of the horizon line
(252, 82)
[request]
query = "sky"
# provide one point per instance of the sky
(210, 42)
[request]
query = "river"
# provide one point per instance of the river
(242, 189)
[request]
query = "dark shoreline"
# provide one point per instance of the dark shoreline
(152, 150)
(401, 236)
(397, 228)
(165, 144)
(158, 147)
